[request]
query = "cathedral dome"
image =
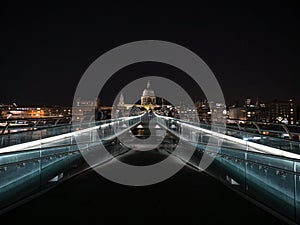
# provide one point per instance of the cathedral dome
(148, 97)
(148, 92)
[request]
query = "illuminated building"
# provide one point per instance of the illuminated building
(148, 96)
(205, 110)
(284, 112)
(248, 112)
(82, 109)
(273, 112)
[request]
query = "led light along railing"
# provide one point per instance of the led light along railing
(28, 168)
(272, 181)
(27, 136)
(22, 152)
(40, 142)
(242, 142)
(269, 180)
(276, 142)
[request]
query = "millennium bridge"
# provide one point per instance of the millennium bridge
(264, 170)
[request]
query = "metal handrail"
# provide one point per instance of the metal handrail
(52, 128)
(229, 129)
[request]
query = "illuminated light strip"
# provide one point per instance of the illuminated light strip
(28, 145)
(262, 148)
(204, 130)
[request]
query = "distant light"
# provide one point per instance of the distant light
(251, 138)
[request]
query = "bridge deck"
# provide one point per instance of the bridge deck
(189, 197)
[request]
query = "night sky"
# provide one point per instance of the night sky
(252, 51)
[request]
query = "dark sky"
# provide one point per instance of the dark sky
(252, 51)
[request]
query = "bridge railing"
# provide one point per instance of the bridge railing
(271, 181)
(279, 130)
(33, 135)
(278, 143)
(31, 167)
